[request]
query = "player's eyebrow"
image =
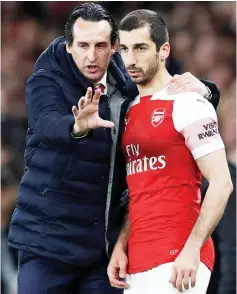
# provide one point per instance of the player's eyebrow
(135, 46)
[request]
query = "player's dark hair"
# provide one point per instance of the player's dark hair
(90, 12)
(141, 18)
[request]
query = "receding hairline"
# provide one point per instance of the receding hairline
(81, 18)
(78, 25)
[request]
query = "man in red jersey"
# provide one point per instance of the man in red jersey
(168, 142)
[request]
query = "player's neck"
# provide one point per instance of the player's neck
(158, 83)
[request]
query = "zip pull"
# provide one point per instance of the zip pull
(45, 191)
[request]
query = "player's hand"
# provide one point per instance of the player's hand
(117, 268)
(186, 83)
(87, 114)
(185, 268)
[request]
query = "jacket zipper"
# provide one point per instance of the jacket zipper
(111, 172)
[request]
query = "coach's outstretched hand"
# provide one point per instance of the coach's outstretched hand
(117, 268)
(87, 115)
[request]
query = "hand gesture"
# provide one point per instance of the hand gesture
(87, 114)
(184, 268)
(186, 83)
(117, 268)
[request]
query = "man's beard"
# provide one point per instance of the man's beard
(146, 76)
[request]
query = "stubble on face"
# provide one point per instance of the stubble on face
(147, 74)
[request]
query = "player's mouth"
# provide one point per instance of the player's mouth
(134, 73)
(92, 68)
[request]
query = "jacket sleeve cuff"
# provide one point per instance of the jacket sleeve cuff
(79, 137)
(64, 128)
(214, 91)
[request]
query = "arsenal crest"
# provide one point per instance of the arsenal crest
(157, 117)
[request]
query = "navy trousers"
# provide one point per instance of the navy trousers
(40, 275)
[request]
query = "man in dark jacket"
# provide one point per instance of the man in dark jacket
(70, 204)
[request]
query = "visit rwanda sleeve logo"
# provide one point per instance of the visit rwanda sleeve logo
(157, 117)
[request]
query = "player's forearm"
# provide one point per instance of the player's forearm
(122, 241)
(211, 212)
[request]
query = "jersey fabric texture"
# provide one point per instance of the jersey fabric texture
(163, 136)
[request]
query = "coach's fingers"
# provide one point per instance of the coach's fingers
(96, 97)
(75, 111)
(173, 84)
(88, 96)
(179, 87)
(176, 76)
(81, 103)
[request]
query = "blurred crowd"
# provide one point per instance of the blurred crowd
(203, 42)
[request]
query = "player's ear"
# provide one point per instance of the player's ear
(164, 51)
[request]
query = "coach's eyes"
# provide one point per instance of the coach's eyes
(83, 46)
(142, 49)
(101, 45)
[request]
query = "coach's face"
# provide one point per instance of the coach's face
(139, 54)
(91, 48)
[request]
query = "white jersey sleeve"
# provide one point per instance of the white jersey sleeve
(195, 118)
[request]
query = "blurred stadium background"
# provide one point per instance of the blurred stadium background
(203, 41)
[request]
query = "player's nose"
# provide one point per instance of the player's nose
(131, 60)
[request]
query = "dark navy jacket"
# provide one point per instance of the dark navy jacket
(62, 205)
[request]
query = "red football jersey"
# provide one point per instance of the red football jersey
(163, 136)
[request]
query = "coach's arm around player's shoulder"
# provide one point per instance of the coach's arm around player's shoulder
(187, 82)
(117, 267)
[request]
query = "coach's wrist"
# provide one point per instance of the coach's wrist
(78, 131)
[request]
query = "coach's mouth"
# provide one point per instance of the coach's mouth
(92, 68)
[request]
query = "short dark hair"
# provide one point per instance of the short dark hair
(141, 18)
(90, 12)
